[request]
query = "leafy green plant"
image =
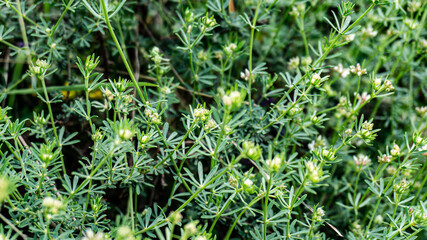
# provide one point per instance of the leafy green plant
(213, 119)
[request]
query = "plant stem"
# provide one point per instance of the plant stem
(251, 45)
(255, 200)
(52, 120)
(122, 55)
(13, 227)
(195, 194)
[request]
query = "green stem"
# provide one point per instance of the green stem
(230, 230)
(74, 87)
(221, 135)
(122, 55)
(61, 17)
(92, 173)
(218, 215)
(52, 120)
(194, 195)
(251, 44)
(265, 213)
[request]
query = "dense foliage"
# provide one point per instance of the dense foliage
(217, 119)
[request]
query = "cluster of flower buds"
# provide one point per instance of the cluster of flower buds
(293, 63)
(361, 160)
(156, 56)
(314, 172)
(402, 186)
(91, 235)
(349, 37)
(388, 86)
(202, 56)
(306, 61)
(230, 49)
(363, 98)
(233, 100)
(90, 64)
(366, 132)
(420, 216)
(369, 31)
(247, 76)
(384, 158)
(248, 186)
(126, 130)
(411, 23)
(316, 80)
(294, 110)
(97, 136)
(209, 23)
(125, 233)
(327, 154)
(275, 164)
(418, 139)
(40, 119)
(108, 94)
(52, 205)
(190, 229)
(153, 116)
(201, 114)
(422, 111)
(189, 15)
(318, 215)
(251, 151)
(298, 10)
(358, 70)
(395, 152)
(39, 68)
(175, 218)
(210, 125)
(46, 153)
(343, 72)
(377, 85)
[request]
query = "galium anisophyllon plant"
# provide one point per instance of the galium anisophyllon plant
(213, 119)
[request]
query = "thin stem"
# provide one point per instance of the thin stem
(221, 135)
(230, 230)
(122, 55)
(288, 109)
(251, 45)
(61, 17)
(13, 227)
(265, 213)
(52, 120)
(194, 195)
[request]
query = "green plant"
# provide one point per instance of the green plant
(241, 119)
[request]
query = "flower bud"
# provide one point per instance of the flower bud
(52, 205)
(175, 217)
(125, 233)
(274, 164)
(4, 188)
(251, 151)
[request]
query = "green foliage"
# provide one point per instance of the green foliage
(213, 119)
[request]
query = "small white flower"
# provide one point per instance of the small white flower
(293, 63)
(361, 160)
(90, 235)
(364, 97)
(358, 70)
(350, 37)
(369, 31)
